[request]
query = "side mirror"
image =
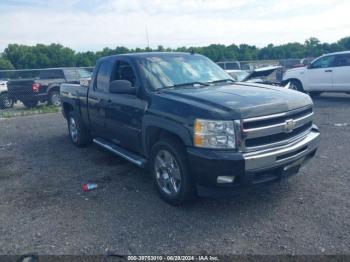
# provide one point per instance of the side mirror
(121, 87)
(85, 82)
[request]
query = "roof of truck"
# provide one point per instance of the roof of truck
(338, 53)
(148, 54)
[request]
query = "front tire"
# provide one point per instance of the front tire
(170, 172)
(296, 85)
(55, 98)
(5, 101)
(78, 133)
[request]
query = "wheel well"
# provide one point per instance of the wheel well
(54, 88)
(154, 134)
(67, 108)
(295, 80)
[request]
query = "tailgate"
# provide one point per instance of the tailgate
(20, 88)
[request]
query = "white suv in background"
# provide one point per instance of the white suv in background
(328, 73)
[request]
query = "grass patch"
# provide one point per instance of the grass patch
(42, 109)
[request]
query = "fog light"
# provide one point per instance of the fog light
(225, 179)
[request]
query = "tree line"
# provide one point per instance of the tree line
(17, 56)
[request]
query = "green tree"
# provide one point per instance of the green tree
(55, 55)
(344, 43)
(5, 64)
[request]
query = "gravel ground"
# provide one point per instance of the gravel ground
(44, 210)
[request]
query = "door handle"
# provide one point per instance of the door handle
(328, 71)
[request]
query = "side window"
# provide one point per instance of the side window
(124, 71)
(323, 62)
(342, 60)
(70, 74)
(104, 76)
(232, 66)
(51, 74)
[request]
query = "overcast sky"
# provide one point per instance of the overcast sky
(93, 24)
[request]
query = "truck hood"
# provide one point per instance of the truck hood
(242, 100)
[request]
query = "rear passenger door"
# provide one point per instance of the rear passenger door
(125, 111)
(341, 73)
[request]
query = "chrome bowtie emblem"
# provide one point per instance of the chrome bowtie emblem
(289, 126)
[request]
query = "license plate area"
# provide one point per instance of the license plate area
(293, 168)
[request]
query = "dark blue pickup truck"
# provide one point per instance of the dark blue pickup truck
(45, 87)
(198, 131)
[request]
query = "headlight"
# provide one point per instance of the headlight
(214, 134)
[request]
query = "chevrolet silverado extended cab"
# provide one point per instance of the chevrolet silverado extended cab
(197, 130)
(46, 87)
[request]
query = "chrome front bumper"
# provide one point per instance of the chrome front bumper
(289, 155)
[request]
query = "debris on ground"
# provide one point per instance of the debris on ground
(89, 186)
(341, 124)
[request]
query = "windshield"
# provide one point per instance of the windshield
(173, 70)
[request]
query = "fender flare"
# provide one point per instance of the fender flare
(51, 87)
(171, 126)
(69, 102)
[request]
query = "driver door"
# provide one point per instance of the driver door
(125, 111)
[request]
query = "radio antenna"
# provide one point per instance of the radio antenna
(147, 37)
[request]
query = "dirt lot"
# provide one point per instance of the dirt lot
(44, 210)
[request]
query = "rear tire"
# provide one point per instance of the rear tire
(78, 133)
(5, 101)
(170, 172)
(55, 98)
(30, 103)
(296, 85)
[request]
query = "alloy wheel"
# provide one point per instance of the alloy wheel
(73, 129)
(167, 171)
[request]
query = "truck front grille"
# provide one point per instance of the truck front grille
(270, 131)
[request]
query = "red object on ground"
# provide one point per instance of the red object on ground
(89, 187)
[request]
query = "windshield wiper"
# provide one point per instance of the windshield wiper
(184, 84)
(222, 80)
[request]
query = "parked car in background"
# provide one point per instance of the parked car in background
(328, 73)
(265, 75)
(5, 101)
(229, 65)
(238, 75)
(289, 63)
(198, 131)
(247, 66)
(46, 87)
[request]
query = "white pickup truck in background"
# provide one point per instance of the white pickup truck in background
(328, 73)
(5, 102)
